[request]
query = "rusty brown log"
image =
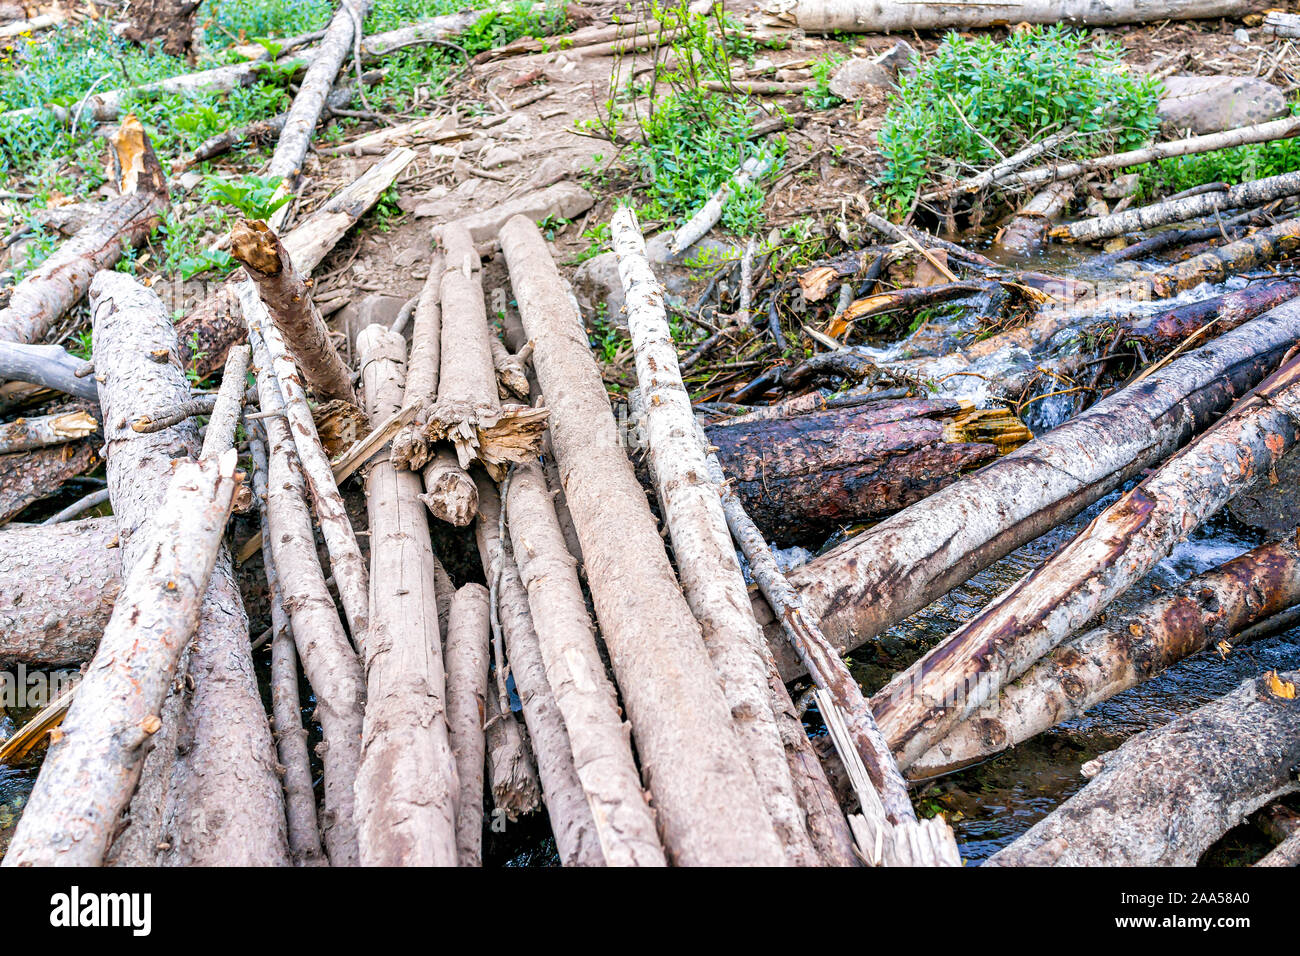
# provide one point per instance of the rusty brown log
(1210, 608)
(922, 704)
(1160, 332)
(900, 565)
(802, 475)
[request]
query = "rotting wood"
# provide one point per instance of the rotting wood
(512, 778)
(584, 695)
(288, 302)
(1165, 795)
(328, 660)
(466, 653)
(406, 786)
(923, 703)
(90, 771)
(449, 490)
(708, 805)
(1203, 612)
(706, 559)
(573, 822)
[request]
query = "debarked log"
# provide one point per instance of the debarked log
(1166, 795)
(1208, 610)
(801, 475)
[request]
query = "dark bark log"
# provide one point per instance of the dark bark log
(800, 476)
(1160, 332)
(172, 21)
(864, 586)
(1164, 796)
(27, 477)
(57, 590)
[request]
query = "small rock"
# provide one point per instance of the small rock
(856, 77)
(1209, 104)
(409, 257)
(597, 281)
(188, 180)
(411, 203)
(374, 308)
(1241, 35)
(900, 60)
(499, 156)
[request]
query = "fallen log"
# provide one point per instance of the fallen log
(563, 200)
(875, 16)
(328, 660)
(1210, 608)
(58, 586)
(28, 434)
(212, 758)
(572, 820)
(706, 559)
(512, 779)
(707, 216)
(1280, 24)
(336, 527)
(923, 703)
(286, 703)
(1242, 196)
(708, 805)
(1166, 795)
(871, 582)
(41, 299)
(1158, 333)
(49, 366)
(410, 450)
(289, 304)
(466, 653)
(809, 473)
(91, 770)
(28, 477)
(217, 323)
(1286, 853)
(449, 490)
(1029, 227)
(406, 785)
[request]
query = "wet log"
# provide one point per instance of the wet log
(709, 807)
(58, 586)
(922, 704)
(512, 778)
(1167, 794)
(41, 299)
(805, 474)
(212, 757)
(28, 477)
(468, 639)
(866, 585)
(92, 768)
(1241, 196)
(328, 660)
(573, 823)
(336, 527)
(1130, 648)
(584, 696)
(216, 323)
(1157, 333)
(1029, 227)
(289, 303)
(875, 16)
(406, 786)
(49, 366)
(706, 558)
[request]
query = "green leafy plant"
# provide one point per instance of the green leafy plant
(254, 196)
(977, 99)
(820, 96)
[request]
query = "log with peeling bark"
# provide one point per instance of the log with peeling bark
(467, 412)
(300, 123)
(90, 771)
(27, 477)
(574, 670)
(512, 778)
(573, 822)
(57, 590)
(212, 757)
(328, 660)
(1279, 24)
(27, 434)
(708, 804)
(1158, 333)
(49, 366)
(706, 559)
(410, 450)
(1286, 853)
(923, 703)
(217, 323)
(1028, 228)
(893, 16)
(41, 299)
(1167, 794)
(812, 472)
(336, 527)
(406, 786)
(466, 654)
(1208, 609)
(289, 303)
(1241, 196)
(871, 582)
(286, 704)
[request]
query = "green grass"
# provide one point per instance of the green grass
(977, 99)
